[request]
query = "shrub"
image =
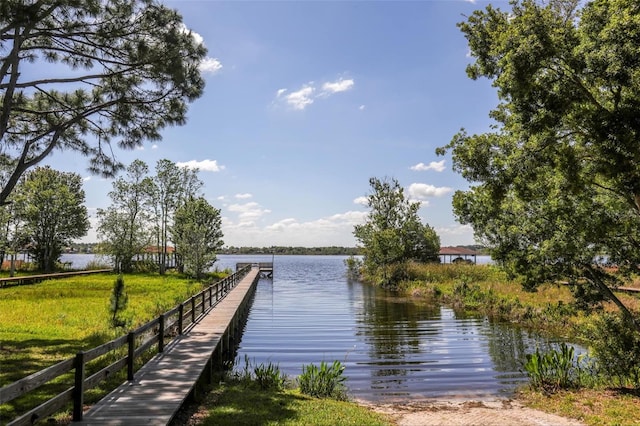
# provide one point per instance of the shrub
(324, 382)
(553, 370)
(354, 266)
(269, 376)
(96, 264)
(119, 300)
(266, 376)
(616, 345)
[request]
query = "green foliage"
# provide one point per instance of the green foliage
(119, 301)
(327, 381)
(123, 227)
(269, 376)
(50, 205)
(197, 235)
(114, 80)
(556, 182)
(616, 345)
(553, 370)
(354, 267)
(393, 234)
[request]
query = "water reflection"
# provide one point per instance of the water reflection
(392, 348)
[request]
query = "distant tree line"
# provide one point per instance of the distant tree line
(331, 250)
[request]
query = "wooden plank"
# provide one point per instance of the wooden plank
(161, 385)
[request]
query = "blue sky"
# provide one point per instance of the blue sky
(305, 101)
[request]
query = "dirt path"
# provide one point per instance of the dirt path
(468, 412)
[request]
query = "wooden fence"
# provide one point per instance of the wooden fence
(156, 332)
(30, 279)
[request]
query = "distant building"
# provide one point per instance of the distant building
(457, 254)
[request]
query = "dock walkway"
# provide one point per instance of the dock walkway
(162, 385)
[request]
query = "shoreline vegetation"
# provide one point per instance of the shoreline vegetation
(595, 396)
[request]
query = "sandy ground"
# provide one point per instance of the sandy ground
(468, 412)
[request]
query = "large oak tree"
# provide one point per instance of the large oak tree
(79, 75)
(556, 183)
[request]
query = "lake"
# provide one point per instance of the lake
(393, 348)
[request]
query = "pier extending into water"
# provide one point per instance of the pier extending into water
(161, 386)
(265, 268)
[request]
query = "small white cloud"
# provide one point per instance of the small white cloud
(437, 166)
(204, 165)
(302, 98)
(306, 95)
(361, 107)
(421, 191)
(86, 179)
(243, 196)
(221, 198)
(154, 146)
(196, 37)
(364, 201)
(210, 65)
(341, 85)
(249, 211)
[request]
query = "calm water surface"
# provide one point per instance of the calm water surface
(392, 348)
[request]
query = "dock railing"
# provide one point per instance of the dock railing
(157, 332)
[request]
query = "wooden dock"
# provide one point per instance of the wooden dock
(266, 268)
(161, 386)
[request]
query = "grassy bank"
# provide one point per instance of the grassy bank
(234, 403)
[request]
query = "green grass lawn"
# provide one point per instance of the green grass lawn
(45, 323)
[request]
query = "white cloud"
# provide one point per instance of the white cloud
(243, 196)
(210, 65)
(86, 179)
(437, 166)
(420, 191)
(423, 203)
(154, 146)
(327, 231)
(361, 107)
(196, 37)
(455, 234)
(337, 86)
(249, 211)
(364, 201)
(308, 93)
(204, 165)
(302, 98)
